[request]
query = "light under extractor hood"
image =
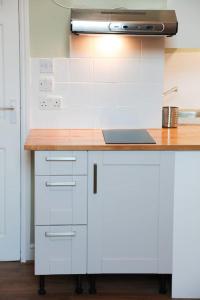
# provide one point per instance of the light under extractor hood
(124, 22)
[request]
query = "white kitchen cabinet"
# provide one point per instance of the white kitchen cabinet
(60, 214)
(60, 250)
(103, 212)
(189, 24)
(130, 208)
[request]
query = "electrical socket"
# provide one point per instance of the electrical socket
(51, 103)
(56, 102)
(43, 104)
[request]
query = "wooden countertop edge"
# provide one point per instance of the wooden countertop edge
(113, 148)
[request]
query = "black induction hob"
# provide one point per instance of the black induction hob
(127, 136)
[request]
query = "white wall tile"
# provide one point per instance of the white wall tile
(129, 117)
(74, 94)
(114, 117)
(81, 70)
(152, 70)
(117, 70)
(104, 95)
(114, 46)
(114, 95)
(107, 46)
(126, 95)
(80, 95)
(86, 117)
(73, 117)
(137, 94)
(61, 69)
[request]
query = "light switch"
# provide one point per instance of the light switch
(46, 65)
(46, 85)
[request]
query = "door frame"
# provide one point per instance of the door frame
(24, 44)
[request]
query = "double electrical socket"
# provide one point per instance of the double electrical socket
(51, 103)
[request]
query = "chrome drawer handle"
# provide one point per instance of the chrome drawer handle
(60, 234)
(7, 108)
(60, 158)
(54, 184)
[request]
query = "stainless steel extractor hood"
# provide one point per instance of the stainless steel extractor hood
(125, 22)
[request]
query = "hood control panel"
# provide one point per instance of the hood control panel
(136, 27)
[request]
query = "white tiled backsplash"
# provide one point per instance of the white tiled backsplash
(105, 84)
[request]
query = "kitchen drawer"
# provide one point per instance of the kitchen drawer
(60, 250)
(60, 163)
(60, 200)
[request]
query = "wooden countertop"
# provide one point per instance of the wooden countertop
(185, 137)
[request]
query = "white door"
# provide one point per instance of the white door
(9, 132)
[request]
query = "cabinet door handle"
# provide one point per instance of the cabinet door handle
(7, 108)
(60, 234)
(60, 158)
(54, 184)
(95, 179)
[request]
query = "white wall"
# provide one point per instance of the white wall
(108, 82)
(188, 18)
(182, 69)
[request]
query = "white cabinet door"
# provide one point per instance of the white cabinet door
(60, 250)
(125, 213)
(9, 132)
(189, 24)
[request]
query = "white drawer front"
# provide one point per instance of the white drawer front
(60, 200)
(60, 163)
(60, 250)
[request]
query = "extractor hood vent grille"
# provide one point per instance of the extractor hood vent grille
(122, 12)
